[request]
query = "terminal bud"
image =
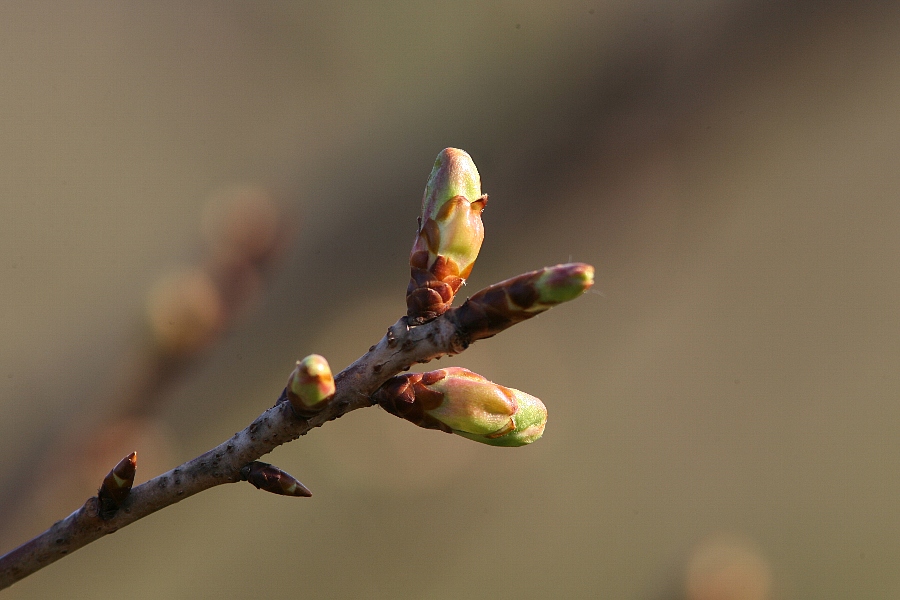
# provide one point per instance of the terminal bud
(449, 236)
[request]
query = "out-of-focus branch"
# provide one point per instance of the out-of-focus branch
(487, 313)
(189, 309)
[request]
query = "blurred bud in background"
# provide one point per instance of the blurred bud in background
(186, 312)
(190, 308)
(245, 232)
(727, 568)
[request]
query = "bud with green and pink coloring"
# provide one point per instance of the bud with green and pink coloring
(449, 236)
(310, 386)
(459, 401)
(504, 304)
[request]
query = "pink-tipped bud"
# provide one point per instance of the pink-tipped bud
(116, 486)
(459, 401)
(311, 385)
(504, 304)
(449, 236)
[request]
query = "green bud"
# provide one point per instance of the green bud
(562, 283)
(459, 401)
(454, 174)
(311, 385)
(449, 236)
(504, 304)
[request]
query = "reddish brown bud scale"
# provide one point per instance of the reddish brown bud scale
(427, 398)
(270, 478)
(405, 396)
(433, 377)
(116, 486)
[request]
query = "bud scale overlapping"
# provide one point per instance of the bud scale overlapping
(449, 236)
(456, 400)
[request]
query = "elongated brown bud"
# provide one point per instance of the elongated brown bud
(116, 486)
(449, 236)
(459, 401)
(504, 304)
(270, 478)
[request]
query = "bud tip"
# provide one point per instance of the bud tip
(116, 486)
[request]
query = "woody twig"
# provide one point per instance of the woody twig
(451, 400)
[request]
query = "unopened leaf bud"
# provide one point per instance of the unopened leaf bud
(270, 478)
(459, 401)
(116, 486)
(504, 304)
(449, 236)
(311, 385)
(561, 283)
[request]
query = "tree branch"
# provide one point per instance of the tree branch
(487, 313)
(447, 243)
(189, 309)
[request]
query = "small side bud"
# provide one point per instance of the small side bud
(504, 304)
(270, 478)
(310, 386)
(449, 236)
(116, 486)
(459, 401)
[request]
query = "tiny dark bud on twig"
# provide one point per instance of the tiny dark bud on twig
(272, 479)
(116, 486)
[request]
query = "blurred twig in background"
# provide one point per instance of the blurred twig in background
(189, 310)
(453, 400)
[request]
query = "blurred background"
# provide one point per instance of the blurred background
(724, 416)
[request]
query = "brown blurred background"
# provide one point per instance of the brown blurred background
(724, 412)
